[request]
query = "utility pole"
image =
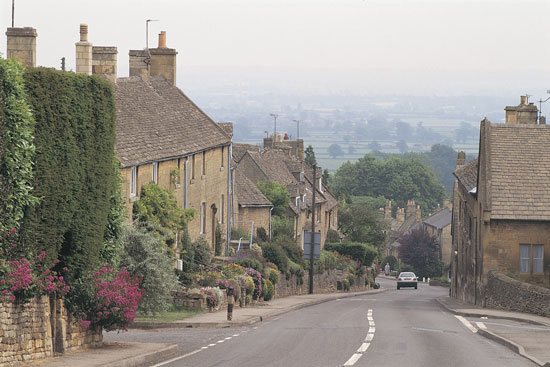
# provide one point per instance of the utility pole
(298, 122)
(12, 12)
(312, 243)
(274, 115)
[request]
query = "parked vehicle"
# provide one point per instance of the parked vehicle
(407, 279)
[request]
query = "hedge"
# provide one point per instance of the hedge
(73, 172)
(361, 252)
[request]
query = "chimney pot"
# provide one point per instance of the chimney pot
(162, 39)
(83, 33)
(522, 100)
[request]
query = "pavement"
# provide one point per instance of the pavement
(523, 337)
(147, 354)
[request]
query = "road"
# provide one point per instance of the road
(393, 328)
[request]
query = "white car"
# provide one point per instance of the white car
(407, 279)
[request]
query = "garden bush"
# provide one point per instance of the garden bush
(237, 233)
(261, 235)
(346, 284)
(203, 253)
(394, 264)
(291, 248)
(274, 253)
(357, 251)
(332, 236)
(250, 263)
(268, 289)
(351, 279)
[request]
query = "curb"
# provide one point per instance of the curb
(484, 314)
(252, 320)
(517, 348)
(144, 360)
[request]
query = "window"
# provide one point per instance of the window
(220, 217)
(155, 172)
(531, 258)
(538, 259)
(192, 167)
(133, 181)
(203, 163)
(203, 217)
(223, 148)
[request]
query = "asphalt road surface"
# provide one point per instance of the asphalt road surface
(404, 327)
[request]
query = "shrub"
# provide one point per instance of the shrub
(203, 253)
(274, 276)
(213, 296)
(231, 271)
(146, 257)
(250, 263)
(274, 253)
(218, 241)
(357, 251)
(105, 298)
(351, 278)
(295, 269)
(209, 278)
(281, 226)
(292, 250)
(394, 264)
(268, 289)
(261, 235)
(346, 284)
(332, 236)
(257, 279)
(329, 260)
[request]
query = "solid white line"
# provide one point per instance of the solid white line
(372, 330)
(177, 358)
(354, 358)
(466, 323)
(363, 348)
(481, 325)
(369, 337)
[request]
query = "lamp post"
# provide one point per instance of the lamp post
(274, 115)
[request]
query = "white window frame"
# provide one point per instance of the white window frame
(133, 181)
(155, 174)
(538, 262)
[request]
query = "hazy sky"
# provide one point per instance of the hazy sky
(384, 38)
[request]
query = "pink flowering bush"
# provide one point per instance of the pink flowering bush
(106, 298)
(22, 279)
(257, 278)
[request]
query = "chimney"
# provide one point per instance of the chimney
(163, 60)
(418, 214)
(104, 62)
(387, 210)
(22, 45)
(460, 160)
(523, 114)
(84, 52)
(411, 209)
(139, 60)
(400, 215)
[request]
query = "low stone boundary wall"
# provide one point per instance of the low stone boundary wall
(505, 293)
(322, 283)
(30, 332)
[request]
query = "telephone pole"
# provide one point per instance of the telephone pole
(274, 115)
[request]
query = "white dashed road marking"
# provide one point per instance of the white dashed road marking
(364, 346)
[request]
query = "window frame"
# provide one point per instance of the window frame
(532, 259)
(133, 181)
(155, 172)
(203, 218)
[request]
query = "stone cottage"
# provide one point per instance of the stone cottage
(501, 219)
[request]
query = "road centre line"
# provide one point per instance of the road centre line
(365, 345)
(466, 323)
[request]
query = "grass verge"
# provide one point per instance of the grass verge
(173, 314)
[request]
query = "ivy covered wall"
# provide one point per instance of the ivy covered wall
(74, 177)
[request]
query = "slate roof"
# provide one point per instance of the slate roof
(157, 121)
(520, 171)
(467, 174)
(227, 127)
(272, 163)
(248, 193)
(239, 149)
(440, 220)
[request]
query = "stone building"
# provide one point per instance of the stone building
(438, 225)
(501, 219)
(405, 220)
(162, 136)
(252, 210)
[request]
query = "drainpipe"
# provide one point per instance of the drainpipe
(186, 183)
(229, 192)
(232, 194)
(270, 210)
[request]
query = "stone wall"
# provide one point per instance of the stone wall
(509, 294)
(26, 332)
(322, 283)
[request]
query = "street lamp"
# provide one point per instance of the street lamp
(274, 115)
(298, 124)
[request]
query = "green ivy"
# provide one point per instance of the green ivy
(17, 149)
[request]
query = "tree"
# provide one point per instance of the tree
(443, 163)
(403, 130)
(325, 177)
(335, 150)
(309, 156)
(351, 149)
(359, 223)
(145, 256)
(421, 251)
(402, 146)
(277, 194)
(374, 145)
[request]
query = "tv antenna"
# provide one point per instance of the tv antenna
(541, 102)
